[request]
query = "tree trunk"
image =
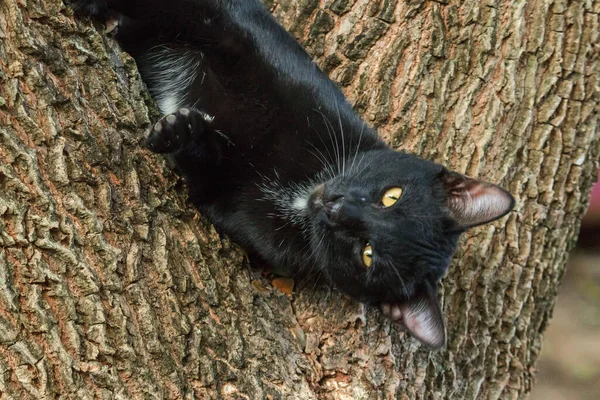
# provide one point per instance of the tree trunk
(112, 286)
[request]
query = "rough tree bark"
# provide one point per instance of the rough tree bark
(111, 286)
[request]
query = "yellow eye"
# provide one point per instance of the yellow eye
(391, 197)
(367, 255)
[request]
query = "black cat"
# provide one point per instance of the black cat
(275, 156)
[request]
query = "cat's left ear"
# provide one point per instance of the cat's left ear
(473, 202)
(422, 317)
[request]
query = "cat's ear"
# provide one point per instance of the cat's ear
(473, 202)
(422, 317)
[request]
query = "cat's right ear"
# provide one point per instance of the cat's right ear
(473, 202)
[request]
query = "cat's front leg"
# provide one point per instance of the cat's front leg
(162, 13)
(101, 10)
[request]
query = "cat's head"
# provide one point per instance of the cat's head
(385, 232)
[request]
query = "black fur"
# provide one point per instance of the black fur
(275, 156)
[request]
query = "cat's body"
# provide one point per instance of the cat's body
(275, 156)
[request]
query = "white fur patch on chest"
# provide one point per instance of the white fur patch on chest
(170, 74)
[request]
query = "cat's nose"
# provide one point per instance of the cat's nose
(345, 213)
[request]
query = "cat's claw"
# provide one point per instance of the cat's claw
(175, 131)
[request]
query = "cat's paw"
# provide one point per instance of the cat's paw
(176, 131)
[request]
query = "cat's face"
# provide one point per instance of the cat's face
(395, 207)
(385, 232)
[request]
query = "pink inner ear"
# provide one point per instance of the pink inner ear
(473, 202)
(424, 322)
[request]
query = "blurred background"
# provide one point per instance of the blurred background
(569, 366)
